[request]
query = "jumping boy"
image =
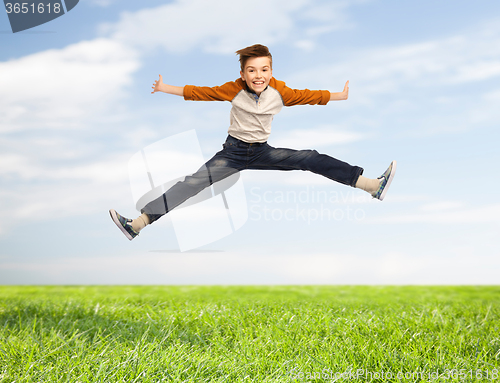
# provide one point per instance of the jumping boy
(255, 97)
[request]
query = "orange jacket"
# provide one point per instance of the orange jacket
(251, 117)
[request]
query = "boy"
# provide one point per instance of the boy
(255, 97)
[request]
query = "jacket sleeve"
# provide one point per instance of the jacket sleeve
(301, 97)
(225, 92)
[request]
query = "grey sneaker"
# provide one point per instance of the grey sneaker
(385, 181)
(124, 224)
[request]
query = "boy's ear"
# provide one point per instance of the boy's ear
(242, 77)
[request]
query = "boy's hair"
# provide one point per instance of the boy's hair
(256, 50)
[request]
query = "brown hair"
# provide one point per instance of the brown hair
(256, 50)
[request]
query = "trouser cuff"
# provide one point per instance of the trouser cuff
(357, 171)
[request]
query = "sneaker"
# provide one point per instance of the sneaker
(385, 181)
(124, 224)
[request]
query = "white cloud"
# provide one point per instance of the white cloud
(492, 96)
(305, 44)
(225, 25)
(32, 169)
(464, 58)
(103, 3)
(59, 88)
(331, 12)
(446, 85)
(445, 213)
(441, 206)
(465, 267)
(49, 173)
(73, 190)
(323, 135)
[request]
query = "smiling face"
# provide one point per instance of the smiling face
(257, 73)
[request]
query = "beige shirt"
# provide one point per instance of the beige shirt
(251, 117)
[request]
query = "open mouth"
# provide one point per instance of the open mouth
(258, 83)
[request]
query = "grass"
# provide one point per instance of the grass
(249, 334)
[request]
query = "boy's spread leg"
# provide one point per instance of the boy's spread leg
(271, 158)
(183, 190)
(224, 164)
(238, 155)
(311, 160)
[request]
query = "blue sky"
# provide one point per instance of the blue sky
(75, 106)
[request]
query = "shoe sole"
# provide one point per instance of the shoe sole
(115, 219)
(391, 176)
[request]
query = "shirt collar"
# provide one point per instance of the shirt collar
(252, 92)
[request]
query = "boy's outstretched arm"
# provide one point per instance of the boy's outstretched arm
(340, 95)
(159, 86)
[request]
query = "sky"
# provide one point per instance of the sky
(75, 107)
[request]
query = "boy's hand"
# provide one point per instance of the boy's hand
(341, 95)
(157, 86)
(345, 92)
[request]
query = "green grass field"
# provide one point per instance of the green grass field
(249, 334)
